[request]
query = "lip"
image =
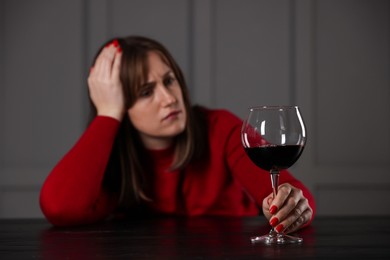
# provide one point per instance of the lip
(172, 114)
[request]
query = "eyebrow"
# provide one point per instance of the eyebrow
(148, 84)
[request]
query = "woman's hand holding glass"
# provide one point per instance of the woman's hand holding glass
(105, 88)
(289, 211)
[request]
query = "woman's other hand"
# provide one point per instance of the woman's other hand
(289, 211)
(105, 88)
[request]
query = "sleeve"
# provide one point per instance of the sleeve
(254, 180)
(73, 194)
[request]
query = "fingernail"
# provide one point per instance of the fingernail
(274, 221)
(115, 42)
(273, 209)
(119, 49)
(279, 228)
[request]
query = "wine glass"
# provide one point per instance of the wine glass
(273, 138)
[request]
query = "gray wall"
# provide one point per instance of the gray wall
(330, 57)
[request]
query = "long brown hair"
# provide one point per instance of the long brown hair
(127, 171)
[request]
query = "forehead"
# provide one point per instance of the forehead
(146, 66)
(156, 67)
(157, 61)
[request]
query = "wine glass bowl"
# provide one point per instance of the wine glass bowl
(274, 138)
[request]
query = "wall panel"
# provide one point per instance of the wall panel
(350, 199)
(353, 83)
(330, 57)
(41, 85)
(167, 21)
(19, 202)
(343, 85)
(252, 54)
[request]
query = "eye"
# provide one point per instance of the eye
(168, 81)
(146, 92)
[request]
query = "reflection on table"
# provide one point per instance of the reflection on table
(193, 238)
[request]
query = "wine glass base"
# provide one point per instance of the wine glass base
(276, 238)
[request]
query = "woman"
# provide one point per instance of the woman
(148, 151)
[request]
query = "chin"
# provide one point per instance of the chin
(176, 130)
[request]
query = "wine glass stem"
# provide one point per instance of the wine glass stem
(275, 184)
(274, 181)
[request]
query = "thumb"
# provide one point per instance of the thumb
(266, 205)
(267, 201)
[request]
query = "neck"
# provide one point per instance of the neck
(157, 143)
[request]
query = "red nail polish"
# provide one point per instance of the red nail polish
(279, 228)
(119, 49)
(274, 221)
(115, 42)
(273, 209)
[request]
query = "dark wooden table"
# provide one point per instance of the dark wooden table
(194, 238)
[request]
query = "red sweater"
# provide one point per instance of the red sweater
(229, 185)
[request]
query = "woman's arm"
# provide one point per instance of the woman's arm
(73, 193)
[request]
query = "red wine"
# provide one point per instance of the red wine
(277, 157)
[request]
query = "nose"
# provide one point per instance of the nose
(167, 97)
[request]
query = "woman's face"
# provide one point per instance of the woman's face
(158, 112)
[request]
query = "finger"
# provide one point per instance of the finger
(288, 213)
(267, 201)
(107, 62)
(103, 63)
(116, 65)
(288, 217)
(266, 206)
(290, 206)
(290, 203)
(300, 222)
(284, 191)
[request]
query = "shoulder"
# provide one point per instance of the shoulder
(218, 115)
(220, 119)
